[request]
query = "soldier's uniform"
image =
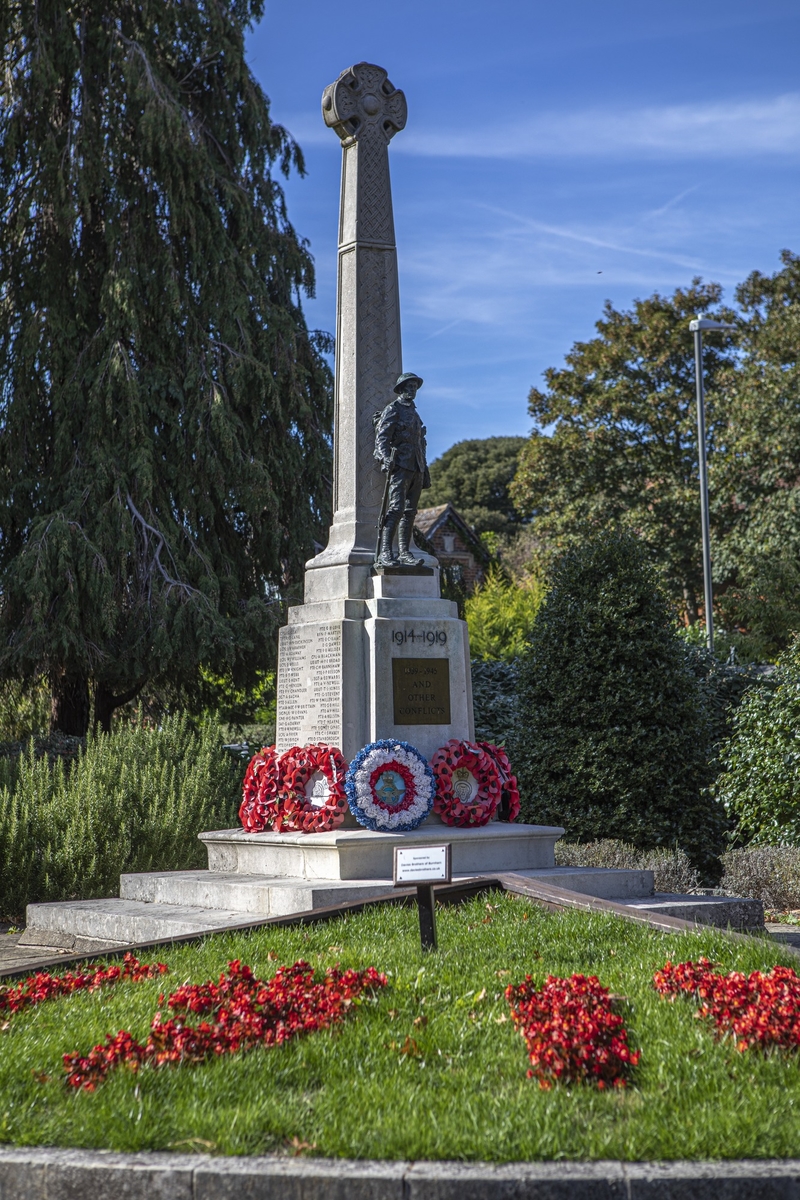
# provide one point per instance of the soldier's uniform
(400, 449)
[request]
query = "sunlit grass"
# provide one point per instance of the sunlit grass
(460, 1093)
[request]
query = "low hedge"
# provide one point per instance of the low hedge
(132, 800)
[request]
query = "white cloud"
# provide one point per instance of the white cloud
(721, 130)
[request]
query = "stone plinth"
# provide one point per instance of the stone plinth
(363, 855)
(391, 665)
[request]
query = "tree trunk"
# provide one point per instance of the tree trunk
(690, 603)
(105, 702)
(69, 704)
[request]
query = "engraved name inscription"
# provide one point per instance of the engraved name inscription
(421, 691)
(309, 685)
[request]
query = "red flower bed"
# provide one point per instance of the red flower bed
(44, 986)
(758, 1011)
(239, 1012)
(571, 1033)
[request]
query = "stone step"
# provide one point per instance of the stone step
(261, 895)
(90, 924)
(605, 883)
(723, 911)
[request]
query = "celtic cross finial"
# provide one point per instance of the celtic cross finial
(362, 101)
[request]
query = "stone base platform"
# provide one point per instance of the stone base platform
(361, 854)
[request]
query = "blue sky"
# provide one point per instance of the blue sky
(555, 156)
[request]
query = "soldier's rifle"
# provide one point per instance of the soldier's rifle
(384, 502)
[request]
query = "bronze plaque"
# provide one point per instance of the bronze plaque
(421, 691)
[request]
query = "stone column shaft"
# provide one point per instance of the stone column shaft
(365, 110)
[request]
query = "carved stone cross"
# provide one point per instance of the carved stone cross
(366, 111)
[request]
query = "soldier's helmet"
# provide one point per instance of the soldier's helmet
(408, 377)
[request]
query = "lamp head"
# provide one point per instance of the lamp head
(703, 323)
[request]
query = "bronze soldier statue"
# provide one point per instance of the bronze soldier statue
(400, 449)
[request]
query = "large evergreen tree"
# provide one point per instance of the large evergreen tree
(164, 452)
(612, 737)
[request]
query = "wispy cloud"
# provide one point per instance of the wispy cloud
(722, 130)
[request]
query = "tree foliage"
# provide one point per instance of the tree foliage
(757, 478)
(611, 738)
(760, 781)
(615, 440)
(165, 458)
(474, 476)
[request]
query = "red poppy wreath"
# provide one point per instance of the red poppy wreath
(467, 784)
(324, 806)
(259, 805)
(508, 808)
(276, 793)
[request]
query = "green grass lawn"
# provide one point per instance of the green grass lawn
(351, 1092)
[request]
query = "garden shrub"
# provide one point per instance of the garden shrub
(760, 780)
(494, 685)
(611, 738)
(672, 871)
(133, 800)
(768, 873)
(500, 615)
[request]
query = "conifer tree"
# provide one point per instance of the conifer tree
(164, 451)
(611, 737)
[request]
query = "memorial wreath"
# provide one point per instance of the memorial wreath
(467, 784)
(260, 791)
(508, 808)
(275, 794)
(390, 786)
(323, 809)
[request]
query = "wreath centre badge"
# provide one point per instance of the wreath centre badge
(317, 790)
(465, 785)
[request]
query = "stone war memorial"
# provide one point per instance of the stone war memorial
(375, 746)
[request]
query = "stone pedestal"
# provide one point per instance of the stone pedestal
(392, 665)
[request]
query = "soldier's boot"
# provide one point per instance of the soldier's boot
(386, 556)
(404, 533)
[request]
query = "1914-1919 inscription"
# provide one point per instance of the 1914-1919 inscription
(309, 685)
(421, 689)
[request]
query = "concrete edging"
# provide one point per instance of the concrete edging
(53, 1174)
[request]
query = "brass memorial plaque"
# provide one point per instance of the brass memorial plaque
(421, 691)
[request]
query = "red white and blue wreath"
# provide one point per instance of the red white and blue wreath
(390, 786)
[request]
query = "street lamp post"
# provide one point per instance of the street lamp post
(697, 327)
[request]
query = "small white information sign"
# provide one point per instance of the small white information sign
(421, 864)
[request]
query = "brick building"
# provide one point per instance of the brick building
(444, 532)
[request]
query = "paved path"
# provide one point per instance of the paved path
(50, 1174)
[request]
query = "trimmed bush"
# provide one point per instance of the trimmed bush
(760, 781)
(611, 738)
(672, 871)
(133, 800)
(768, 873)
(494, 686)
